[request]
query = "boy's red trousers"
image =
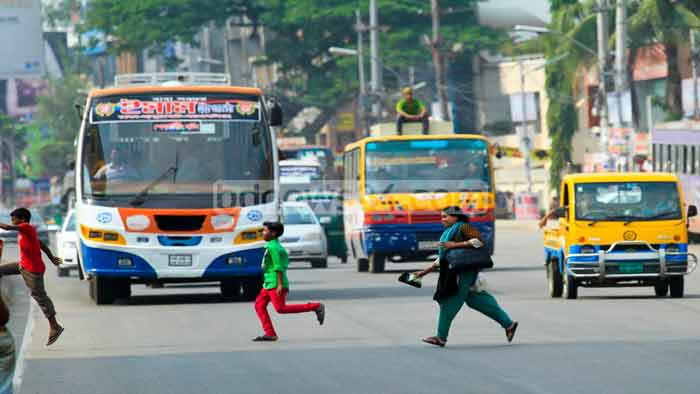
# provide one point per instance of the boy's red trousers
(280, 303)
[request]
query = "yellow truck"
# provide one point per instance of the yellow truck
(619, 230)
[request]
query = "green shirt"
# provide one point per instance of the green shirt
(415, 107)
(275, 260)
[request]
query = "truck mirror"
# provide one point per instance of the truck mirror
(692, 211)
(560, 212)
(276, 115)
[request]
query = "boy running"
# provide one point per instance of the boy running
(31, 267)
(276, 285)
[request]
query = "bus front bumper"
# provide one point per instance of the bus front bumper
(179, 263)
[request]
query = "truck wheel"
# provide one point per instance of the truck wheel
(362, 265)
(570, 287)
(230, 288)
(554, 279)
(319, 263)
(661, 288)
(376, 263)
(102, 290)
(676, 283)
(251, 288)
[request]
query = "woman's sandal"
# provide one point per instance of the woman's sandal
(264, 338)
(510, 331)
(434, 341)
(54, 337)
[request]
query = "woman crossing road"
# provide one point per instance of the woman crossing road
(456, 288)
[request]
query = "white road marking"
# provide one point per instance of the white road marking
(26, 341)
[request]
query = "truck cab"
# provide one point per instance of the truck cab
(619, 230)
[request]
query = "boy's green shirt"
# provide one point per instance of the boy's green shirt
(275, 260)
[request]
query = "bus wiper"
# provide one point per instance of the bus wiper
(139, 199)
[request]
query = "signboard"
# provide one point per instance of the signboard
(650, 63)
(619, 140)
(516, 107)
(527, 206)
(173, 107)
(23, 95)
(346, 122)
(21, 39)
(617, 103)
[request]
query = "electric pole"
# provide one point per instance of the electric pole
(621, 84)
(694, 57)
(525, 135)
(376, 69)
(439, 60)
(361, 72)
(602, 66)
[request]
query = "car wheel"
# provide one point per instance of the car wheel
(677, 284)
(554, 279)
(376, 263)
(319, 263)
(570, 287)
(362, 265)
(661, 288)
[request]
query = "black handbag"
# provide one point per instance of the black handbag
(472, 259)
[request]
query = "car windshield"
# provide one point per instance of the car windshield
(298, 215)
(70, 225)
(177, 161)
(627, 201)
(427, 166)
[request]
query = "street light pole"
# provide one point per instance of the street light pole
(524, 136)
(376, 71)
(361, 72)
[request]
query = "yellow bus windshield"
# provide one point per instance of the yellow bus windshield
(417, 166)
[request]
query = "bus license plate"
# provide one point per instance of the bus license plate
(180, 260)
(427, 245)
(631, 268)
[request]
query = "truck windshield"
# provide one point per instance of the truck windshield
(627, 201)
(427, 166)
(166, 151)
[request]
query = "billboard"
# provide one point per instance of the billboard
(21, 40)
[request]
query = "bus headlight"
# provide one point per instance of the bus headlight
(138, 222)
(222, 222)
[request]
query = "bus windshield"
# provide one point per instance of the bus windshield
(627, 201)
(134, 153)
(427, 166)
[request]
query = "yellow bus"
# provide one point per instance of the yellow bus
(396, 186)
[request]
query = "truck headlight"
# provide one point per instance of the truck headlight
(587, 249)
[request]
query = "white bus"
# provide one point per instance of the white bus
(175, 175)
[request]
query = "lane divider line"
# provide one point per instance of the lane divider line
(26, 341)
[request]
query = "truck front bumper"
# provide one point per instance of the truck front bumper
(644, 262)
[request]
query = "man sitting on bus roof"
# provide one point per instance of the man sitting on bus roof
(410, 109)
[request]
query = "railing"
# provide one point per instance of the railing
(174, 78)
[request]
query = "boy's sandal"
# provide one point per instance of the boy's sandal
(264, 338)
(510, 331)
(434, 341)
(54, 337)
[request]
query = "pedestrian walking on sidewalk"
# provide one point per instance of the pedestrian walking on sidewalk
(7, 350)
(276, 285)
(31, 267)
(457, 288)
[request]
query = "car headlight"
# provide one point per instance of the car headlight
(587, 249)
(312, 237)
(672, 248)
(138, 222)
(69, 245)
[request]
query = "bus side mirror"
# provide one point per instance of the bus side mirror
(276, 115)
(692, 211)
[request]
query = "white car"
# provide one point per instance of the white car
(67, 241)
(303, 235)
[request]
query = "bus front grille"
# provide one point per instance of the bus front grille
(179, 223)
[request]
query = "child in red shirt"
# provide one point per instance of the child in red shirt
(31, 267)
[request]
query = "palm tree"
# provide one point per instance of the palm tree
(664, 22)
